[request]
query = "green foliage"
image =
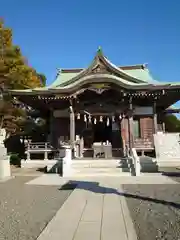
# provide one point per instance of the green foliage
(15, 73)
(15, 159)
(172, 123)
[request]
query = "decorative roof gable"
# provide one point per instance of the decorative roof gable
(101, 65)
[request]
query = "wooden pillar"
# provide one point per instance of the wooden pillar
(123, 135)
(28, 152)
(72, 127)
(155, 118)
(81, 146)
(163, 123)
(46, 152)
(50, 137)
(130, 123)
(163, 127)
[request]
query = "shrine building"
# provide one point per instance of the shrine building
(121, 106)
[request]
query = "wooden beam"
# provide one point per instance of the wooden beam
(130, 123)
(72, 126)
(155, 118)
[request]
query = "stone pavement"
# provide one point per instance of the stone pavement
(95, 210)
(92, 211)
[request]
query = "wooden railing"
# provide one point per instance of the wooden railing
(39, 147)
(143, 144)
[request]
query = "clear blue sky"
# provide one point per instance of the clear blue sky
(66, 34)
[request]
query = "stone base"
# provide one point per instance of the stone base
(6, 179)
(5, 170)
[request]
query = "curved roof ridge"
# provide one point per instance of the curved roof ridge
(71, 70)
(134, 66)
(98, 77)
(125, 67)
(100, 57)
(121, 71)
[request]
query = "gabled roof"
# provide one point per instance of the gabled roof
(135, 73)
(101, 70)
(65, 75)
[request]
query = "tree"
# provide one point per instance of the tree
(16, 74)
(172, 123)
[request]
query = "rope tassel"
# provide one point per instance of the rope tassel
(85, 119)
(78, 116)
(89, 118)
(95, 121)
(107, 121)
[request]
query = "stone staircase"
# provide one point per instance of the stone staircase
(98, 167)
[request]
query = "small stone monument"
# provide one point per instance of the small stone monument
(5, 171)
(167, 146)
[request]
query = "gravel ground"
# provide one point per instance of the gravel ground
(15, 171)
(155, 210)
(25, 210)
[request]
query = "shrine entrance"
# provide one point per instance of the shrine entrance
(100, 136)
(102, 132)
(98, 122)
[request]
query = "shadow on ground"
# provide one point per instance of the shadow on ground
(96, 188)
(171, 172)
(42, 169)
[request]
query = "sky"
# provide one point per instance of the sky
(66, 34)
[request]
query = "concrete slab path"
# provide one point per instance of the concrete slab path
(95, 210)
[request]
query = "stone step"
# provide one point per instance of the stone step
(99, 170)
(96, 174)
(96, 160)
(99, 163)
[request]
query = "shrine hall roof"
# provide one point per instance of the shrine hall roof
(141, 72)
(101, 69)
(137, 74)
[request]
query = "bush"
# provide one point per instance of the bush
(15, 159)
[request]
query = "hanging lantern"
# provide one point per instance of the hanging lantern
(107, 121)
(95, 121)
(85, 119)
(78, 116)
(101, 119)
(113, 118)
(89, 118)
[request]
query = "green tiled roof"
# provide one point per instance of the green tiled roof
(62, 78)
(142, 74)
(129, 77)
(137, 73)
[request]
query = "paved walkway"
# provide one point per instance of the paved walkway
(92, 211)
(95, 210)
